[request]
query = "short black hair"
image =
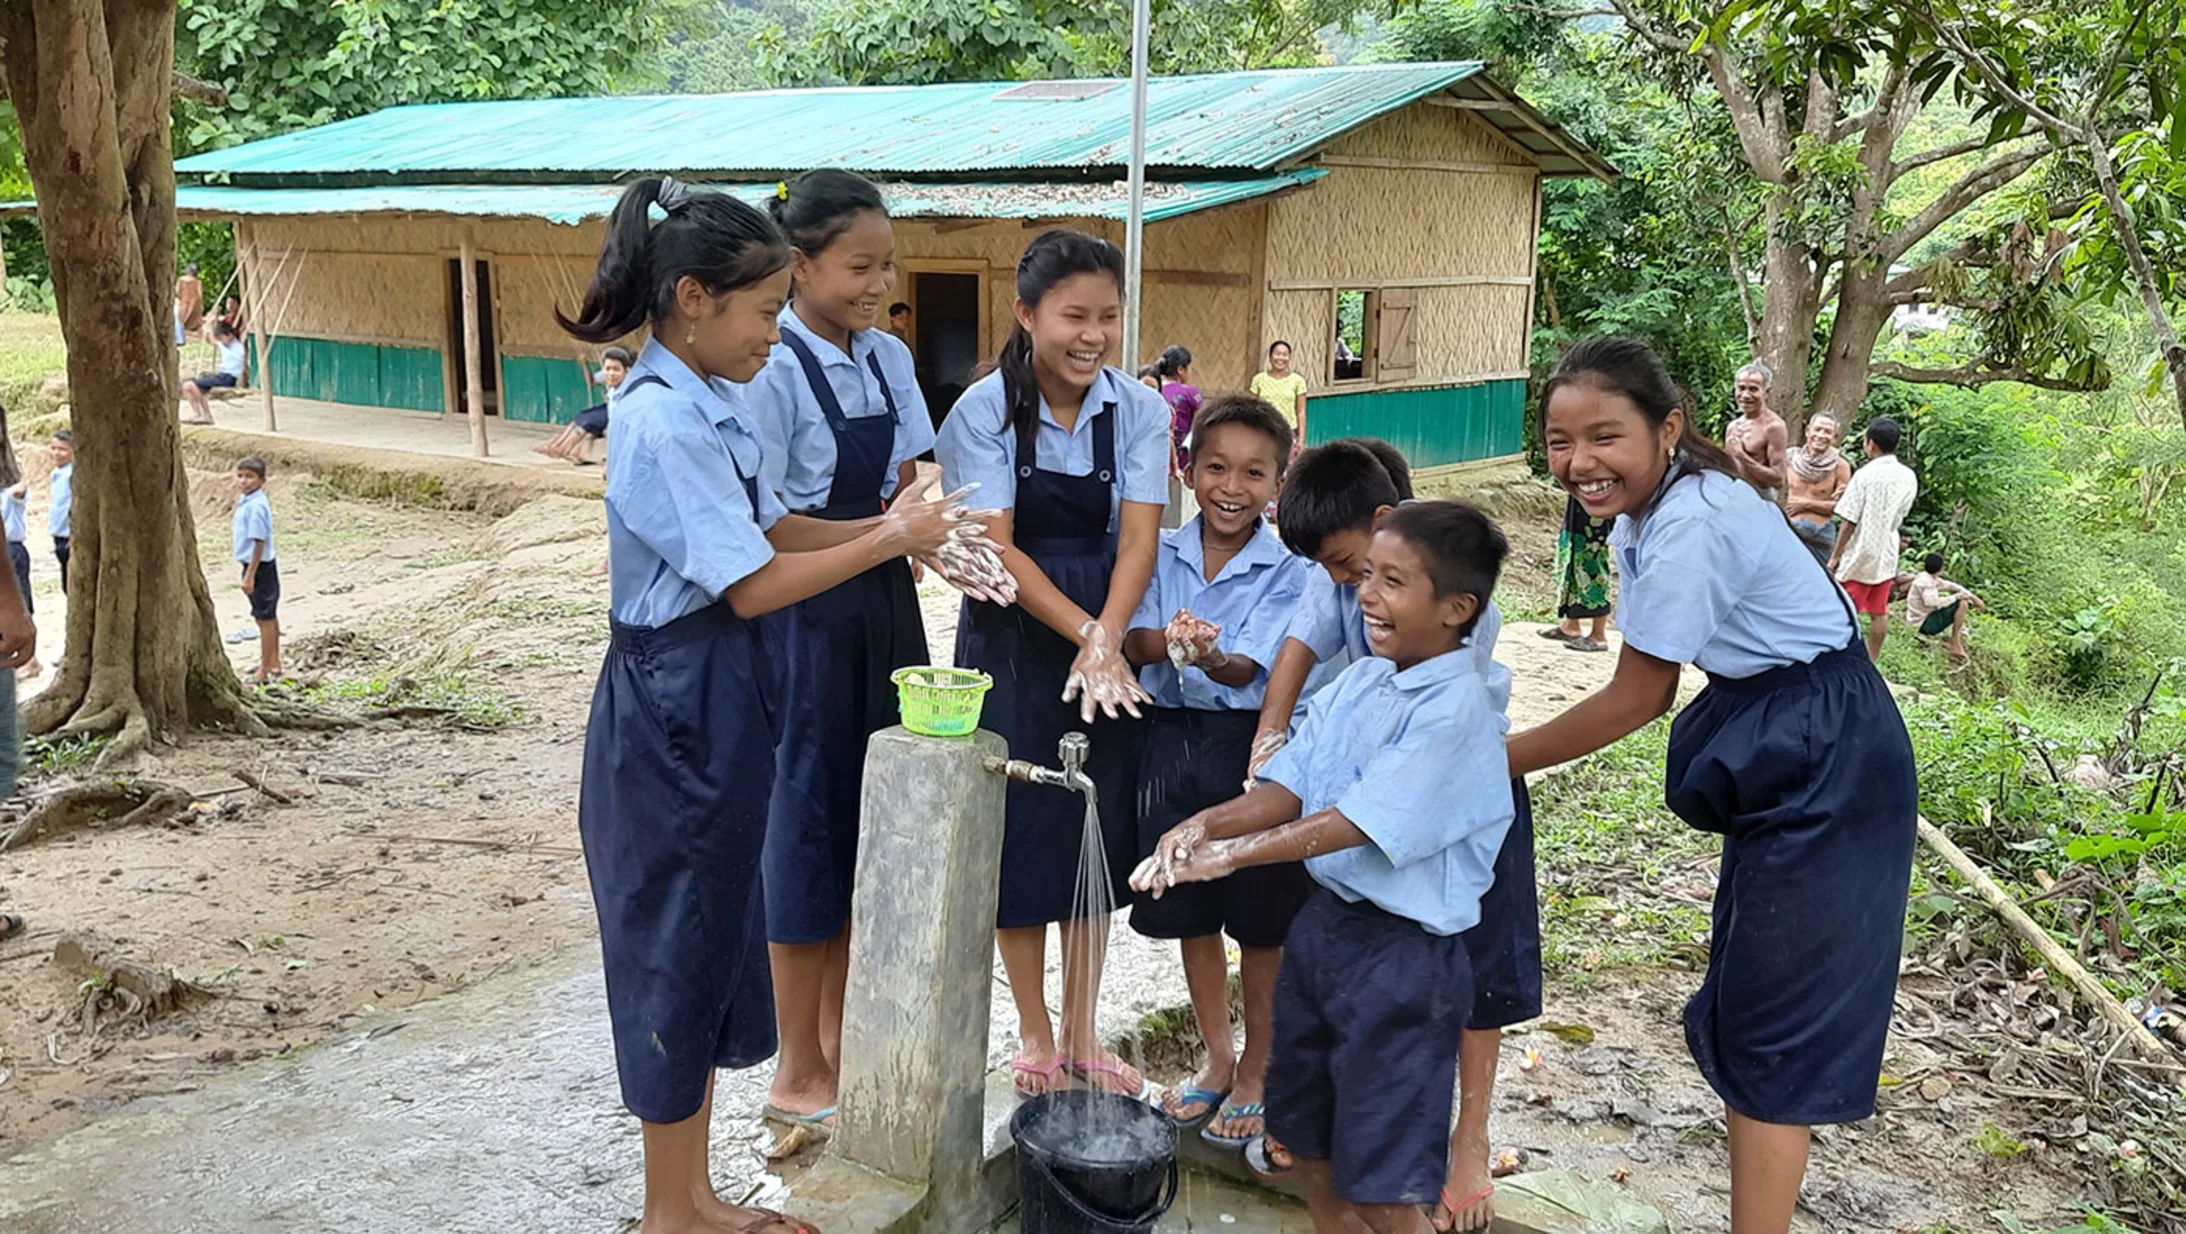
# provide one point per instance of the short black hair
(1392, 461)
(1463, 548)
(1335, 488)
(1251, 412)
(898, 307)
(252, 463)
(619, 354)
(65, 437)
(1149, 370)
(1932, 563)
(1885, 433)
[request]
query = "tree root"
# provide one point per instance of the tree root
(98, 807)
(116, 987)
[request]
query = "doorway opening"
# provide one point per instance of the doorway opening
(945, 309)
(489, 369)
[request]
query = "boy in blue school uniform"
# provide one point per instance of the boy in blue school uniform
(261, 574)
(60, 497)
(1202, 639)
(1394, 785)
(18, 532)
(1337, 494)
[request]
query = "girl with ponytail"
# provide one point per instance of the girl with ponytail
(1795, 754)
(1076, 455)
(679, 746)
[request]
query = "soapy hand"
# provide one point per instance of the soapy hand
(1191, 639)
(1264, 745)
(915, 527)
(1101, 677)
(1183, 855)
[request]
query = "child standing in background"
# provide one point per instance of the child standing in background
(839, 409)
(1222, 594)
(261, 574)
(18, 530)
(59, 496)
(1395, 783)
(1795, 754)
(1077, 455)
(1174, 368)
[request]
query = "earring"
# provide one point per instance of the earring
(690, 336)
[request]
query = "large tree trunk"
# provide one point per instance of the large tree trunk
(90, 81)
(1791, 295)
(1862, 313)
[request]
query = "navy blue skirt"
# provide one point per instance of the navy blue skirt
(678, 762)
(839, 648)
(1505, 947)
(1044, 829)
(1807, 773)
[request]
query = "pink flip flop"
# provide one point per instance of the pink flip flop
(1046, 1075)
(1086, 1068)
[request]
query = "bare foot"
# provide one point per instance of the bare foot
(30, 672)
(801, 1098)
(1196, 1099)
(597, 570)
(1109, 1073)
(1468, 1198)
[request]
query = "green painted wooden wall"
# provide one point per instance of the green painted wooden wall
(364, 374)
(1433, 426)
(543, 390)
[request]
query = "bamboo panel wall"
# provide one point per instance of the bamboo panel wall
(1306, 320)
(1424, 132)
(1387, 225)
(1472, 330)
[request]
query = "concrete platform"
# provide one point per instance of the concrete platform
(508, 442)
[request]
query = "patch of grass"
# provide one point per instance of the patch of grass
(48, 755)
(468, 701)
(30, 351)
(1991, 1141)
(1611, 858)
(453, 556)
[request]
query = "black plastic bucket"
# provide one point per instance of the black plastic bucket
(1073, 1183)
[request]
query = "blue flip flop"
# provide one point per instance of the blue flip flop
(1192, 1094)
(818, 1120)
(1236, 1109)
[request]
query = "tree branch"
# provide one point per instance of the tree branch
(1767, 146)
(1950, 150)
(1949, 34)
(1970, 188)
(1972, 376)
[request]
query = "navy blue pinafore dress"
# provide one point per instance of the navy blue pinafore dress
(1807, 773)
(839, 648)
(678, 763)
(1061, 522)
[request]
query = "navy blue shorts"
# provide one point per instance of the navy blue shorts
(19, 557)
(678, 764)
(1505, 948)
(1807, 773)
(592, 420)
(216, 381)
(1369, 1010)
(1193, 760)
(265, 591)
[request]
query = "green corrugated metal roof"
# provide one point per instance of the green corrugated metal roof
(574, 203)
(1221, 122)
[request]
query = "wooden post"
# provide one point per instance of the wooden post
(474, 379)
(254, 306)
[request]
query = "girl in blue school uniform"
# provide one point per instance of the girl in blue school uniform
(1076, 455)
(679, 747)
(840, 409)
(1795, 753)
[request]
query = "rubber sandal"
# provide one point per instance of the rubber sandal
(1234, 1110)
(1456, 1209)
(1020, 1069)
(1583, 643)
(823, 1120)
(1207, 1099)
(1086, 1068)
(1256, 1156)
(10, 926)
(771, 1222)
(1555, 634)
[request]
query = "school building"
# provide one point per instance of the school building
(1380, 218)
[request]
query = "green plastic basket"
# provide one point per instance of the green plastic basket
(941, 702)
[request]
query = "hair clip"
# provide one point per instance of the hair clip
(673, 193)
(781, 190)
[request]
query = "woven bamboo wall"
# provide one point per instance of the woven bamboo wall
(1425, 132)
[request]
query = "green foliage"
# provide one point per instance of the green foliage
(1992, 1142)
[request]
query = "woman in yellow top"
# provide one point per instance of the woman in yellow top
(1284, 390)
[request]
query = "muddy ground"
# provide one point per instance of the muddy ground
(417, 857)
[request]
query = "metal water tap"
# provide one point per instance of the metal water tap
(1071, 751)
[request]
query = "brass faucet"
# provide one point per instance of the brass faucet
(1071, 751)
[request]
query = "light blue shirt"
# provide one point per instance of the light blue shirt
(64, 488)
(1250, 598)
(11, 513)
(1415, 760)
(1328, 622)
(1714, 576)
(800, 459)
(680, 530)
(231, 358)
(253, 521)
(977, 445)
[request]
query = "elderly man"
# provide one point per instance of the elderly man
(1816, 474)
(1756, 436)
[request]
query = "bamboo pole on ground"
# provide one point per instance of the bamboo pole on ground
(2060, 962)
(254, 307)
(474, 381)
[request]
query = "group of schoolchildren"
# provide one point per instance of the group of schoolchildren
(1298, 735)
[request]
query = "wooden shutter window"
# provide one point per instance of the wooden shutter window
(1398, 354)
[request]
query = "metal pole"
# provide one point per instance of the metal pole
(1134, 227)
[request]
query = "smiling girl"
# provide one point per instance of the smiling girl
(679, 746)
(1076, 455)
(1795, 754)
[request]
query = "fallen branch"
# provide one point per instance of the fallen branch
(263, 787)
(2059, 961)
(111, 803)
(560, 850)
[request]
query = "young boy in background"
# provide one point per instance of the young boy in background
(1394, 785)
(1333, 500)
(18, 532)
(1936, 605)
(261, 576)
(1202, 639)
(60, 497)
